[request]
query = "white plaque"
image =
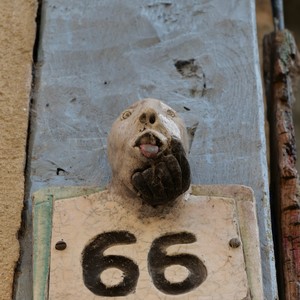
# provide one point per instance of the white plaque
(110, 248)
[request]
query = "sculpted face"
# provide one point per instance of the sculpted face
(147, 148)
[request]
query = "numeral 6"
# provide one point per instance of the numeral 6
(94, 263)
(158, 261)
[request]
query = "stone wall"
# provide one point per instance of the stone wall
(17, 34)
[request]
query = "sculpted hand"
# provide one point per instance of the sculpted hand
(166, 179)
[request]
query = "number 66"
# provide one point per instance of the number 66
(94, 263)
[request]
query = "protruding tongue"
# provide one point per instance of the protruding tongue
(149, 150)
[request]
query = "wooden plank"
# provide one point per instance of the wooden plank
(199, 57)
(280, 57)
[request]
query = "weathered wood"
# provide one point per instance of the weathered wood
(280, 56)
(200, 57)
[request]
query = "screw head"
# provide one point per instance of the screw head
(61, 245)
(234, 243)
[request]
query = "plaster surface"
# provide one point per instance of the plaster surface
(17, 23)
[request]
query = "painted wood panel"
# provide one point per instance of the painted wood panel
(200, 57)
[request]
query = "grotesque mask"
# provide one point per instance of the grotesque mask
(147, 149)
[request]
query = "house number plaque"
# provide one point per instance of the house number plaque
(102, 248)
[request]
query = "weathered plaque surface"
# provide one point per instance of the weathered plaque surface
(195, 249)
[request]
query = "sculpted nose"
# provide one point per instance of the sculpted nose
(149, 117)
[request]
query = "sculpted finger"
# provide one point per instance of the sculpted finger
(179, 153)
(175, 171)
(163, 173)
(155, 185)
(141, 186)
(186, 173)
(177, 148)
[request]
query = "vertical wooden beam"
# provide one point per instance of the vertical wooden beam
(280, 56)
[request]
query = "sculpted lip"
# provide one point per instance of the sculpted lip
(149, 145)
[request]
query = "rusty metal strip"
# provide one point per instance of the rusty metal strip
(280, 62)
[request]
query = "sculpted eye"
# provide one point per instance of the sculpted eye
(126, 114)
(171, 113)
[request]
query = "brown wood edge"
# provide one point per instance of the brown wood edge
(280, 64)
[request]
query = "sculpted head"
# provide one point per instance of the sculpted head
(147, 148)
